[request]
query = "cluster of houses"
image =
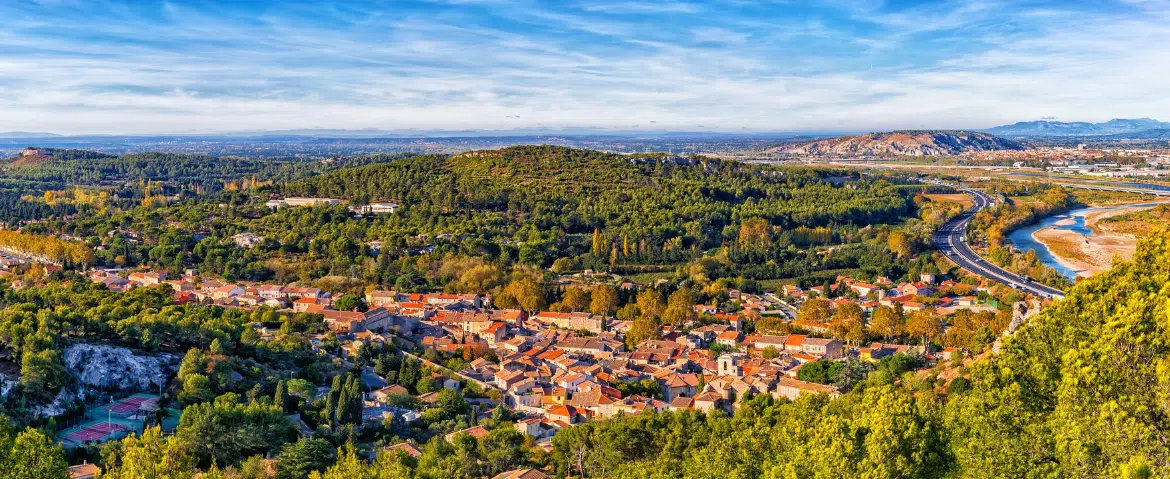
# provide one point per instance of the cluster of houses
(382, 315)
(564, 368)
(910, 296)
(561, 369)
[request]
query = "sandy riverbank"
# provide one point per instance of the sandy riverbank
(1089, 255)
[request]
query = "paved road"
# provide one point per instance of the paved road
(949, 240)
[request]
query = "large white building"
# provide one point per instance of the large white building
(301, 201)
(376, 208)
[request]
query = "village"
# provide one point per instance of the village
(556, 369)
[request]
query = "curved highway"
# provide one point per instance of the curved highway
(950, 240)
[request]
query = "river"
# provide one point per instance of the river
(1023, 241)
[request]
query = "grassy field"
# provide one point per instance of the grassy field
(648, 278)
(960, 198)
(1138, 227)
(1138, 223)
(1025, 200)
(775, 284)
(1067, 248)
(1109, 198)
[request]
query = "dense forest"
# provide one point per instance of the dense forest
(537, 206)
(580, 209)
(137, 179)
(81, 167)
(582, 190)
(38, 322)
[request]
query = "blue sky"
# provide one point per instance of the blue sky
(96, 66)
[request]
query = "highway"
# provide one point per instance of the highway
(949, 240)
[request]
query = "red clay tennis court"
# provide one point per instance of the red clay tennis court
(126, 406)
(94, 432)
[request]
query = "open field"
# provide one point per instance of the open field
(960, 198)
(1110, 198)
(1140, 223)
(649, 278)
(774, 284)
(1025, 200)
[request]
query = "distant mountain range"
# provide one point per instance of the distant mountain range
(1156, 134)
(901, 143)
(420, 133)
(26, 134)
(1115, 126)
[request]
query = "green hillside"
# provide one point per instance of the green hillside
(65, 167)
(1083, 390)
(580, 190)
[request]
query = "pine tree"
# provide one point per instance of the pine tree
(216, 347)
(31, 454)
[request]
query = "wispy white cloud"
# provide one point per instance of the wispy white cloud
(718, 35)
(490, 64)
(641, 7)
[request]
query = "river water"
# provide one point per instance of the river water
(1023, 241)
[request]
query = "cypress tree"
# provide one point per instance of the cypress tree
(330, 411)
(342, 401)
(349, 403)
(355, 402)
(280, 398)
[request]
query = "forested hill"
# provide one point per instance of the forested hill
(580, 190)
(1084, 390)
(64, 167)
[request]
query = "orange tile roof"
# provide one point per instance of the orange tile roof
(406, 447)
(84, 470)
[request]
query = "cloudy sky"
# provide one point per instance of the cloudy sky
(96, 66)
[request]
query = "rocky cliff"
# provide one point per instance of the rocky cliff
(113, 368)
(901, 143)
